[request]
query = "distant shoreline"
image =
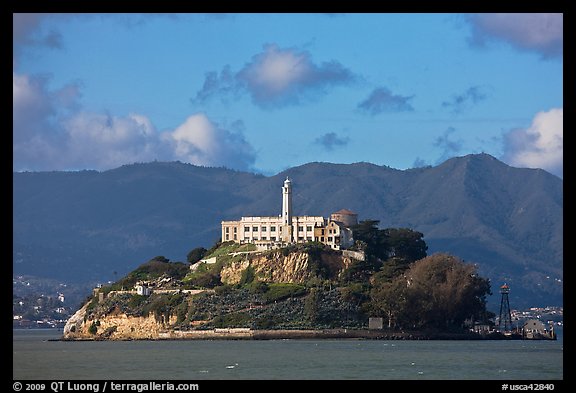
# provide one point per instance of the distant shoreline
(282, 334)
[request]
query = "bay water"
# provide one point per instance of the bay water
(37, 357)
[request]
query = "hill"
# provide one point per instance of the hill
(93, 226)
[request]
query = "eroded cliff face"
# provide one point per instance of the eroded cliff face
(296, 267)
(115, 326)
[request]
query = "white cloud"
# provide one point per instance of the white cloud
(31, 103)
(449, 147)
(383, 100)
(540, 145)
(51, 132)
(276, 77)
(102, 141)
(29, 29)
(275, 71)
(331, 140)
(459, 102)
(36, 112)
(200, 141)
(26, 30)
(539, 32)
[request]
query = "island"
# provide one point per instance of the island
(291, 276)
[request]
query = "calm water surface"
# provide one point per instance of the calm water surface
(34, 357)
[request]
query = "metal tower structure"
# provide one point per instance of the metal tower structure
(505, 319)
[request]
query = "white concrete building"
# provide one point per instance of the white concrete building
(143, 290)
(272, 232)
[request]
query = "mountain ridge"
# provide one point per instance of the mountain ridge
(508, 220)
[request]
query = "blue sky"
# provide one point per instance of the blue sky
(265, 92)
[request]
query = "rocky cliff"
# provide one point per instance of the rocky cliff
(115, 326)
(276, 267)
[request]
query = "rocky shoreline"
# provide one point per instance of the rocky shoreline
(286, 334)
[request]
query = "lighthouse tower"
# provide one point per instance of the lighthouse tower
(287, 211)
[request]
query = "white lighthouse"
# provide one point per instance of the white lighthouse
(287, 211)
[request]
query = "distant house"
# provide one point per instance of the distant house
(482, 328)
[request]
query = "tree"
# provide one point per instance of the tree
(196, 254)
(406, 244)
(389, 298)
(311, 305)
(209, 279)
(402, 243)
(391, 269)
(447, 290)
(367, 231)
(93, 329)
(439, 291)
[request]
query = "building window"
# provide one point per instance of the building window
(235, 237)
(227, 237)
(272, 229)
(263, 229)
(235, 229)
(263, 237)
(300, 238)
(254, 229)
(273, 238)
(226, 229)
(329, 238)
(322, 233)
(309, 238)
(322, 239)
(246, 239)
(309, 228)
(246, 229)
(300, 228)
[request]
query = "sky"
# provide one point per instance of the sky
(266, 92)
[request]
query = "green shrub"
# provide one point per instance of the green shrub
(209, 279)
(109, 331)
(163, 305)
(136, 301)
(181, 312)
(223, 290)
(93, 329)
(239, 319)
(247, 277)
(196, 254)
(154, 268)
(280, 291)
(265, 322)
(258, 287)
(92, 305)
